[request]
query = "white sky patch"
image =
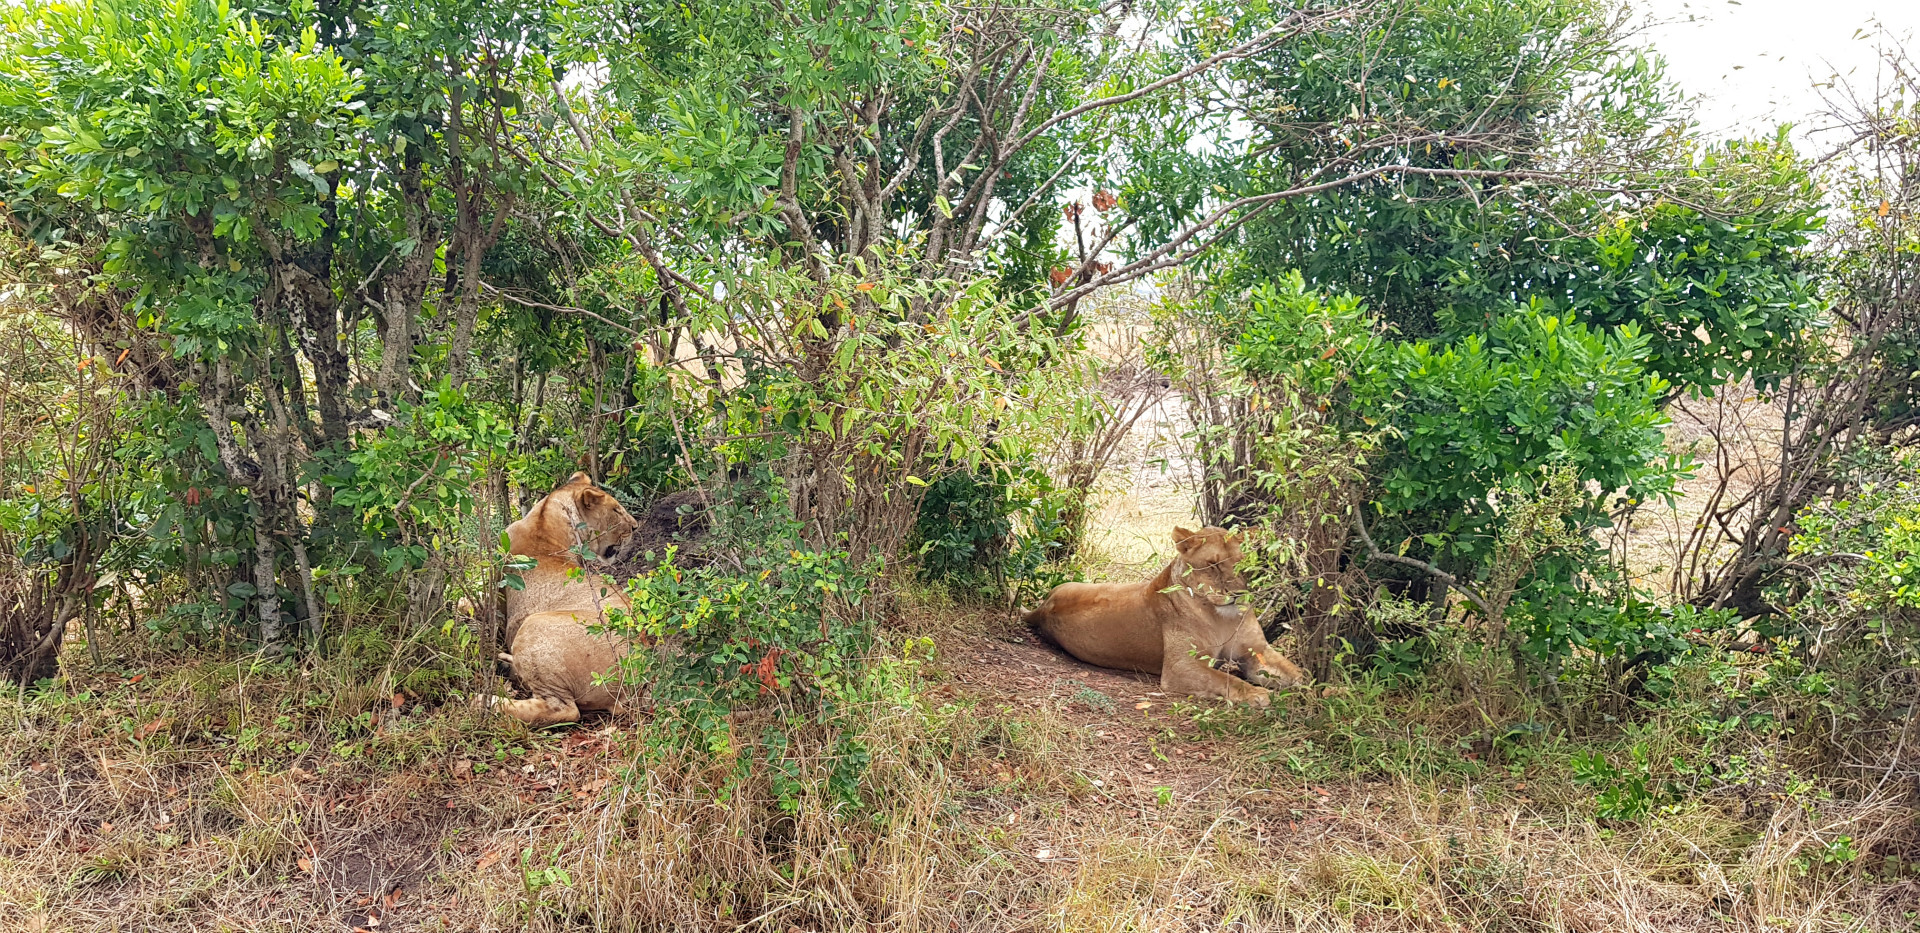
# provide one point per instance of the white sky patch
(1755, 64)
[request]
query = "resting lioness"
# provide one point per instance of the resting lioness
(551, 651)
(1174, 625)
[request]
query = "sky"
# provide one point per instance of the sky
(1754, 63)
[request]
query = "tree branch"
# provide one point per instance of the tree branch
(1170, 253)
(1374, 553)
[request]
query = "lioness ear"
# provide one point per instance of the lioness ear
(1181, 536)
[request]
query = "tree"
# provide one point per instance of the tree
(1546, 257)
(257, 195)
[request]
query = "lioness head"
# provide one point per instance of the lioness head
(1207, 564)
(599, 519)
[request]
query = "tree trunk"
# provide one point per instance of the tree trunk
(245, 471)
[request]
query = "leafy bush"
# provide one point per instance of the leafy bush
(1854, 618)
(412, 485)
(766, 617)
(961, 532)
(979, 531)
(1488, 459)
(1535, 389)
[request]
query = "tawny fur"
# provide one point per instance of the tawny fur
(549, 646)
(1175, 625)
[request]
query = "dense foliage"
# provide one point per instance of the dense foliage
(302, 304)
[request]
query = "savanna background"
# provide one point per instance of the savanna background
(1577, 444)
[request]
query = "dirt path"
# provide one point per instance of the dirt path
(1130, 738)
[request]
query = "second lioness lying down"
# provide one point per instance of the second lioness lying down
(1175, 625)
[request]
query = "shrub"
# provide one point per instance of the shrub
(980, 531)
(765, 618)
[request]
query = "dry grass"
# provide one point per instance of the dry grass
(1021, 792)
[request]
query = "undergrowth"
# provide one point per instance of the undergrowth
(149, 791)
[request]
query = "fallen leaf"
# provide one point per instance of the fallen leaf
(463, 768)
(373, 921)
(106, 828)
(392, 899)
(399, 700)
(144, 732)
(1321, 791)
(1149, 767)
(37, 767)
(136, 678)
(490, 859)
(1143, 705)
(1043, 854)
(306, 864)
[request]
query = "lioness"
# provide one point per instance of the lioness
(551, 651)
(1174, 625)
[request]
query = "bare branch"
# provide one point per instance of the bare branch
(1171, 253)
(1374, 553)
(528, 303)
